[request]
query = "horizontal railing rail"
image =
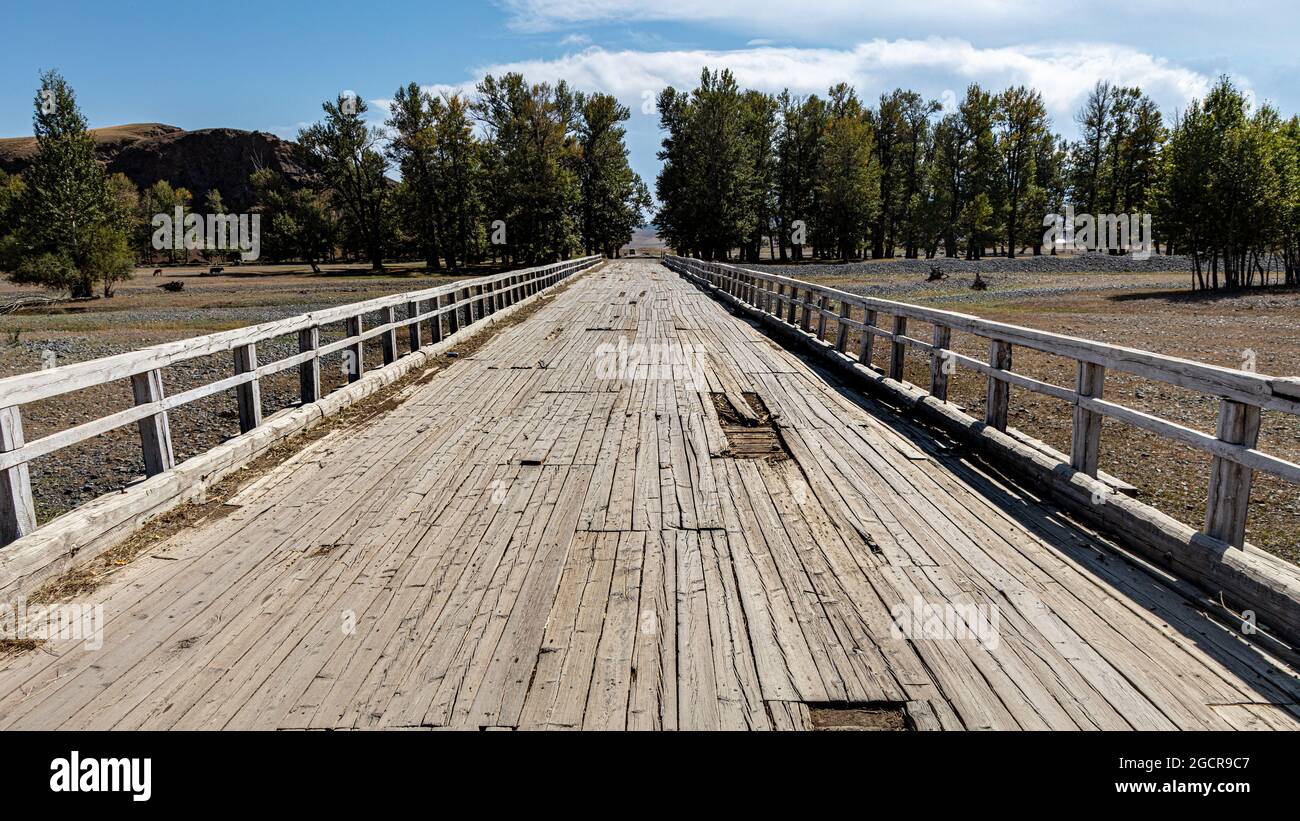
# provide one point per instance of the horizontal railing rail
(1243, 395)
(445, 308)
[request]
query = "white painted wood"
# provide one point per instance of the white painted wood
(155, 432)
(309, 370)
(414, 330)
(1086, 437)
(17, 511)
(354, 352)
(999, 392)
(248, 395)
(897, 350)
(1225, 517)
(939, 363)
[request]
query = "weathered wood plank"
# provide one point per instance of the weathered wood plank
(248, 395)
(17, 510)
(155, 432)
(1085, 440)
(1225, 517)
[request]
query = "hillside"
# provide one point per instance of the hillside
(220, 158)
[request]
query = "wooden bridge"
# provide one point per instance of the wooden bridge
(638, 508)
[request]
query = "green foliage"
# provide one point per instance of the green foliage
(1229, 192)
(531, 163)
(706, 187)
(343, 150)
(71, 226)
(297, 224)
(614, 199)
(848, 176)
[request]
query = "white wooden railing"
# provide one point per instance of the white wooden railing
(1242, 395)
(446, 308)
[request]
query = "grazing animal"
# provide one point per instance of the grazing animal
(174, 285)
(157, 272)
(936, 274)
(979, 284)
(215, 269)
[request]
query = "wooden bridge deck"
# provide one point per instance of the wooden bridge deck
(530, 540)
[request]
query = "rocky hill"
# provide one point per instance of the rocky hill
(220, 158)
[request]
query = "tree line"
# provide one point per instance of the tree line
(836, 178)
(518, 174)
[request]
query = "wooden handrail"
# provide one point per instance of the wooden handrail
(463, 304)
(1242, 394)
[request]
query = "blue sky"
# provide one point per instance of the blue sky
(267, 65)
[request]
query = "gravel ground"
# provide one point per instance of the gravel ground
(1047, 264)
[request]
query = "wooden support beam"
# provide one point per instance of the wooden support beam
(1085, 442)
(155, 433)
(17, 510)
(435, 322)
(897, 350)
(453, 316)
(413, 330)
(868, 341)
(791, 305)
(249, 394)
(842, 333)
(940, 365)
(999, 392)
(388, 340)
(821, 317)
(309, 371)
(354, 355)
(1225, 514)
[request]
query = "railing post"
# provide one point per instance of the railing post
(413, 333)
(353, 354)
(1225, 514)
(941, 339)
(842, 332)
(249, 394)
(453, 316)
(476, 307)
(1085, 441)
(897, 350)
(388, 342)
(435, 321)
(868, 341)
(17, 510)
(155, 433)
(791, 305)
(999, 392)
(309, 371)
(805, 321)
(822, 302)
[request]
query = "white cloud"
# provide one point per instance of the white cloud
(546, 15)
(1063, 72)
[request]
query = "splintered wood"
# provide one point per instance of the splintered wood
(568, 528)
